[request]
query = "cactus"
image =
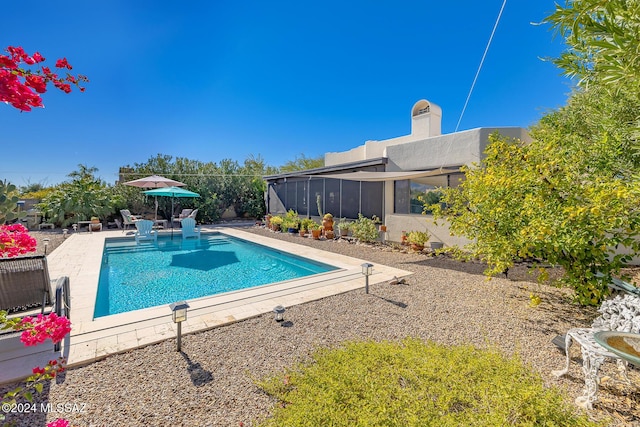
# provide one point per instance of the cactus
(9, 203)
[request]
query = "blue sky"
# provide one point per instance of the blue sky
(213, 80)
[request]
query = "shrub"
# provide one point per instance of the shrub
(418, 237)
(364, 229)
(307, 223)
(345, 224)
(276, 221)
(414, 384)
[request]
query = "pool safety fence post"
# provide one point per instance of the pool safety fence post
(179, 315)
(367, 270)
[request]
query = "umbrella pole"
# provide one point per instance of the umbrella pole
(171, 217)
(156, 217)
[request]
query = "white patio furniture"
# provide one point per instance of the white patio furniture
(622, 314)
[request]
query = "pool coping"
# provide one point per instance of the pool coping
(80, 258)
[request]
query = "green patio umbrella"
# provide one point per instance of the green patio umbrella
(155, 181)
(171, 192)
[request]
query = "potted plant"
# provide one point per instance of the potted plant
(315, 229)
(344, 225)
(289, 224)
(93, 226)
(436, 245)
(304, 225)
(327, 225)
(417, 239)
(276, 222)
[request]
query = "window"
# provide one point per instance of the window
(410, 196)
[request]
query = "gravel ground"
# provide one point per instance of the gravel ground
(210, 383)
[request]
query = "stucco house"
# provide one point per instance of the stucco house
(383, 178)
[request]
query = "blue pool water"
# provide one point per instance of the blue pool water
(133, 276)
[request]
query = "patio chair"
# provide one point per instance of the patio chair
(189, 228)
(145, 231)
(621, 313)
(192, 214)
(25, 286)
(184, 214)
(127, 218)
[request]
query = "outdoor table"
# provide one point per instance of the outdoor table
(81, 223)
(624, 344)
(161, 223)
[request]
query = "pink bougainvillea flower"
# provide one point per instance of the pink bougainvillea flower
(38, 58)
(36, 82)
(62, 63)
(38, 330)
(15, 239)
(20, 87)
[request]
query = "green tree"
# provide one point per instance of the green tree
(223, 185)
(302, 162)
(570, 196)
(550, 201)
(78, 199)
(9, 198)
(602, 41)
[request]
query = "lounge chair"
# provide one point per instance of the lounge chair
(145, 231)
(184, 214)
(191, 214)
(25, 286)
(189, 228)
(127, 218)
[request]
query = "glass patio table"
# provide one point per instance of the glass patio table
(624, 344)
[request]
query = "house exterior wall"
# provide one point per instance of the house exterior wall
(424, 148)
(461, 148)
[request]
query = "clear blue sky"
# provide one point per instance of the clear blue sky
(210, 80)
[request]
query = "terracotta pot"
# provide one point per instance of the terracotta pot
(383, 228)
(417, 247)
(329, 235)
(316, 234)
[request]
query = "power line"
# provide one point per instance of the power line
(484, 55)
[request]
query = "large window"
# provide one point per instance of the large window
(410, 196)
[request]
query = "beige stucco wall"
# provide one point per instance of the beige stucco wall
(409, 153)
(397, 223)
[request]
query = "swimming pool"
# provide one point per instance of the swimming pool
(134, 277)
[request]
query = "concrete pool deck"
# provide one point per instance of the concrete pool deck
(80, 258)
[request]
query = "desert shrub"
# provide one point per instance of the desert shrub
(413, 383)
(364, 229)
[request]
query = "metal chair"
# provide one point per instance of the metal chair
(25, 285)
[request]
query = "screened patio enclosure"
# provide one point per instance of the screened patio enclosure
(346, 192)
(317, 196)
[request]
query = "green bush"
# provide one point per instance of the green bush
(364, 229)
(414, 384)
(418, 237)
